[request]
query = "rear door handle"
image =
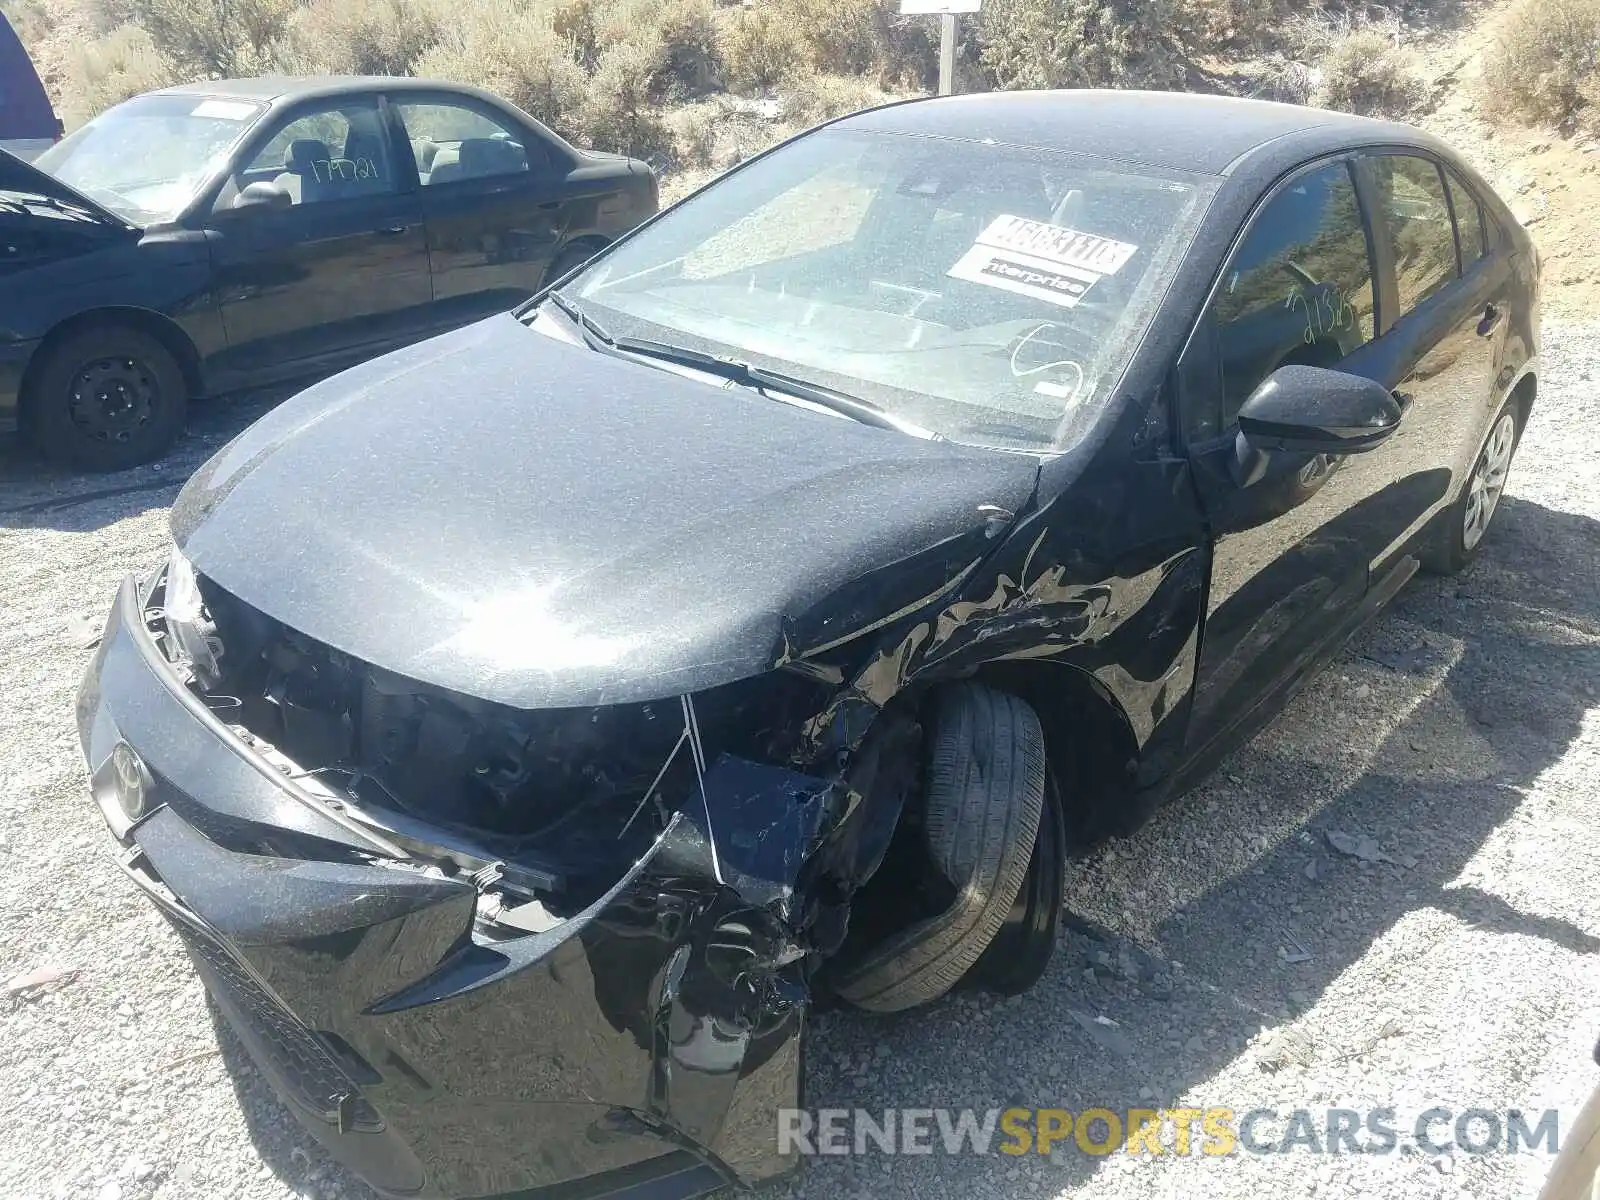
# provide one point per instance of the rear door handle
(1491, 318)
(390, 231)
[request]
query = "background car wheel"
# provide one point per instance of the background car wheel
(570, 259)
(106, 398)
(985, 797)
(1466, 522)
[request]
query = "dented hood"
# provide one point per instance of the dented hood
(505, 515)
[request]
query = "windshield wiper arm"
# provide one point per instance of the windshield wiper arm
(764, 380)
(592, 332)
(831, 398)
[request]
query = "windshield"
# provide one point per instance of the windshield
(987, 293)
(145, 160)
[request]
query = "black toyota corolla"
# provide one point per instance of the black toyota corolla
(530, 727)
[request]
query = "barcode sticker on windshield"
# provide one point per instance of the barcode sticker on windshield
(1047, 262)
(224, 110)
(1058, 244)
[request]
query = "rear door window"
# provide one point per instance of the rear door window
(454, 142)
(1469, 222)
(1415, 217)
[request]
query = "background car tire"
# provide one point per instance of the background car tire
(106, 398)
(570, 259)
(985, 798)
(1450, 551)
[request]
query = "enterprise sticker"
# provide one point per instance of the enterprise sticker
(1048, 262)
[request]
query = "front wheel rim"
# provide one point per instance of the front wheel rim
(1488, 480)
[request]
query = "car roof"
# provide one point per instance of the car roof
(1178, 131)
(270, 88)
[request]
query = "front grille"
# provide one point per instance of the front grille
(306, 1068)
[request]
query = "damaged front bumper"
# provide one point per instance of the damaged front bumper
(639, 1047)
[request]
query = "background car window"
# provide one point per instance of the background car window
(453, 142)
(1416, 219)
(331, 154)
(1299, 288)
(1469, 222)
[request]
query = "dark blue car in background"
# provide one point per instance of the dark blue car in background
(234, 233)
(28, 125)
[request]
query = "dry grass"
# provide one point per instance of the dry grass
(1368, 72)
(1543, 67)
(1082, 43)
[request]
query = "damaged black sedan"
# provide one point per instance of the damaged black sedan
(530, 727)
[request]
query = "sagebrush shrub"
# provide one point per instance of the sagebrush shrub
(1543, 66)
(1081, 43)
(1365, 72)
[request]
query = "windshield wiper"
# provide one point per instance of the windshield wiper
(745, 374)
(592, 333)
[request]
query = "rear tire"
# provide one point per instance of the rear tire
(105, 398)
(570, 259)
(1465, 524)
(985, 799)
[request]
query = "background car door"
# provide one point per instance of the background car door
(492, 198)
(1448, 324)
(1290, 552)
(338, 272)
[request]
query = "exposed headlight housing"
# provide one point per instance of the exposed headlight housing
(183, 609)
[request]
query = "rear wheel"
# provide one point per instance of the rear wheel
(106, 398)
(1466, 522)
(570, 259)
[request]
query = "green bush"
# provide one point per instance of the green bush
(1366, 72)
(517, 53)
(360, 37)
(1543, 66)
(620, 114)
(108, 70)
(1081, 43)
(822, 97)
(761, 48)
(215, 38)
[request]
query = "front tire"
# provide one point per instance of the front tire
(1466, 522)
(106, 398)
(985, 800)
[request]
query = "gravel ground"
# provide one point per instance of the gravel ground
(1244, 961)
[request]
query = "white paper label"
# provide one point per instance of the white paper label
(1047, 262)
(225, 110)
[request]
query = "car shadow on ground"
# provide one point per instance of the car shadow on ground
(1480, 683)
(37, 494)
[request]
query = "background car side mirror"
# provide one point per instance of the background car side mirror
(262, 195)
(1311, 410)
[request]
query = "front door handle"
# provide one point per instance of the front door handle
(390, 231)
(1491, 318)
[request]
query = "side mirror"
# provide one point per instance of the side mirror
(262, 195)
(1308, 411)
(1313, 410)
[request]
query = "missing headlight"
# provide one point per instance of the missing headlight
(194, 641)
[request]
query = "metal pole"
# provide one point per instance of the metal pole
(947, 53)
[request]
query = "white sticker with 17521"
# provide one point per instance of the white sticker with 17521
(1034, 258)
